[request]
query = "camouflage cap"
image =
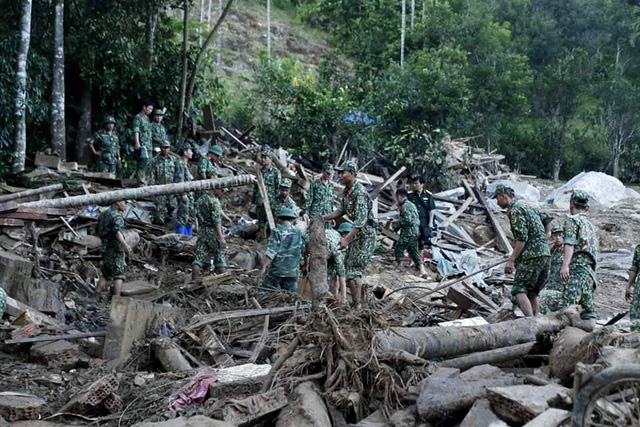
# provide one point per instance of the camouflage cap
(216, 149)
(266, 153)
(165, 144)
(285, 183)
(503, 189)
(557, 228)
(348, 166)
(158, 112)
(287, 213)
(345, 227)
(580, 198)
(327, 167)
(186, 146)
(109, 119)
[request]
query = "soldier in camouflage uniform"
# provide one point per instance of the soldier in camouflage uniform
(108, 150)
(163, 171)
(285, 250)
(551, 295)
(581, 248)
(186, 207)
(208, 166)
(158, 131)
(335, 264)
(211, 242)
(426, 210)
(284, 199)
(634, 295)
(114, 247)
(530, 255)
(320, 197)
(409, 232)
(271, 178)
(3, 301)
(361, 241)
(143, 150)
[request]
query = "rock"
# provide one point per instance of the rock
(605, 190)
(59, 354)
(522, 403)
(376, 419)
(306, 408)
(244, 260)
(239, 381)
(20, 406)
(564, 355)
(549, 418)
(405, 417)
(523, 190)
(197, 421)
(481, 415)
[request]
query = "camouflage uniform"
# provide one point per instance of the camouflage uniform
(335, 264)
(206, 169)
(186, 209)
(158, 135)
(532, 266)
(209, 212)
(271, 178)
(108, 145)
(3, 301)
(163, 171)
(578, 288)
(279, 204)
(424, 204)
(634, 309)
(409, 234)
(320, 199)
(357, 204)
(551, 295)
(110, 222)
(285, 248)
(142, 125)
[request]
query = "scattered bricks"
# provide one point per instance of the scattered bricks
(250, 410)
(59, 354)
(25, 331)
(239, 381)
(92, 396)
(20, 406)
(113, 403)
(522, 403)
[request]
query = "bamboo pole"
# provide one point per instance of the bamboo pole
(141, 193)
(32, 192)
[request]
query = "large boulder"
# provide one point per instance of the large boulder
(604, 190)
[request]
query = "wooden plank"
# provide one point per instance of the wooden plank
(457, 213)
(232, 136)
(8, 206)
(11, 222)
(480, 296)
(46, 211)
(241, 314)
(42, 338)
(265, 199)
(456, 201)
(209, 122)
(15, 308)
(47, 161)
(503, 241)
(469, 191)
(391, 234)
(375, 193)
(246, 133)
(25, 215)
(31, 192)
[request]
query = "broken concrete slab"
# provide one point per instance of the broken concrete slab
(239, 381)
(15, 273)
(550, 418)
(522, 403)
(197, 421)
(306, 408)
(57, 354)
(131, 319)
(20, 406)
(481, 415)
(251, 410)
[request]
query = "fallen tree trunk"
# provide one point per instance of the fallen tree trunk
(318, 260)
(488, 357)
(170, 356)
(142, 192)
(437, 341)
(32, 192)
(306, 408)
(239, 314)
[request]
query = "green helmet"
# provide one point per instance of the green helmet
(327, 167)
(345, 228)
(267, 153)
(109, 119)
(158, 112)
(557, 228)
(504, 189)
(216, 149)
(348, 166)
(165, 144)
(285, 183)
(287, 213)
(580, 199)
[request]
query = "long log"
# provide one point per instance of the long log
(265, 199)
(32, 192)
(142, 192)
(318, 260)
(503, 241)
(43, 338)
(240, 314)
(445, 342)
(490, 357)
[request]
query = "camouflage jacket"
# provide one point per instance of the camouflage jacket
(206, 169)
(527, 227)
(163, 169)
(582, 235)
(286, 248)
(271, 178)
(108, 145)
(635, 264)
(409, 220)
(424, 204)
(109, 223)
(158, 134)
(320, 199)
(334, 251)
(142, 125)
(183, 172)
(356, 203)
(208, 210)
(279, 204)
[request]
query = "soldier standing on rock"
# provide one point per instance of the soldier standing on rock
(530, 256)
(409, 232)
(361, 240)
(163, 171)
(108, 150)
(211, 242)
(114, 247)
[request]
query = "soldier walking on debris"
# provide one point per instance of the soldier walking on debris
(211, 242)
(530, 256)
(551, 295)
(285, 250)
(208, 166)
(271, 178)
(108, 150)
(409, 232)
(581, 248)
(186, 208)
(163, 171)
(335, 265)
(142, 139)
(634, 295)
(284, 199)
(361, 240)
(426, 210)
(114, 247)
(320, 197)
(158, 132)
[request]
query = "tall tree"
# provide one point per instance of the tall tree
(20, 110)
(402, 31)
(269, 30)
(185, 64)
(58, 130)
(413, 13)
(219, 55)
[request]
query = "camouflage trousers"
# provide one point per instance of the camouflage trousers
(359, 252)
(271, 281)
(634, 308)
(550, 300)
(531, 276)
(578, 289)
(106, 167)
(3, 301)
(164, 204)
(114, 264)
(142, 169)
(335, 265)
(185, 211)
(207, 248)
(410, 243)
